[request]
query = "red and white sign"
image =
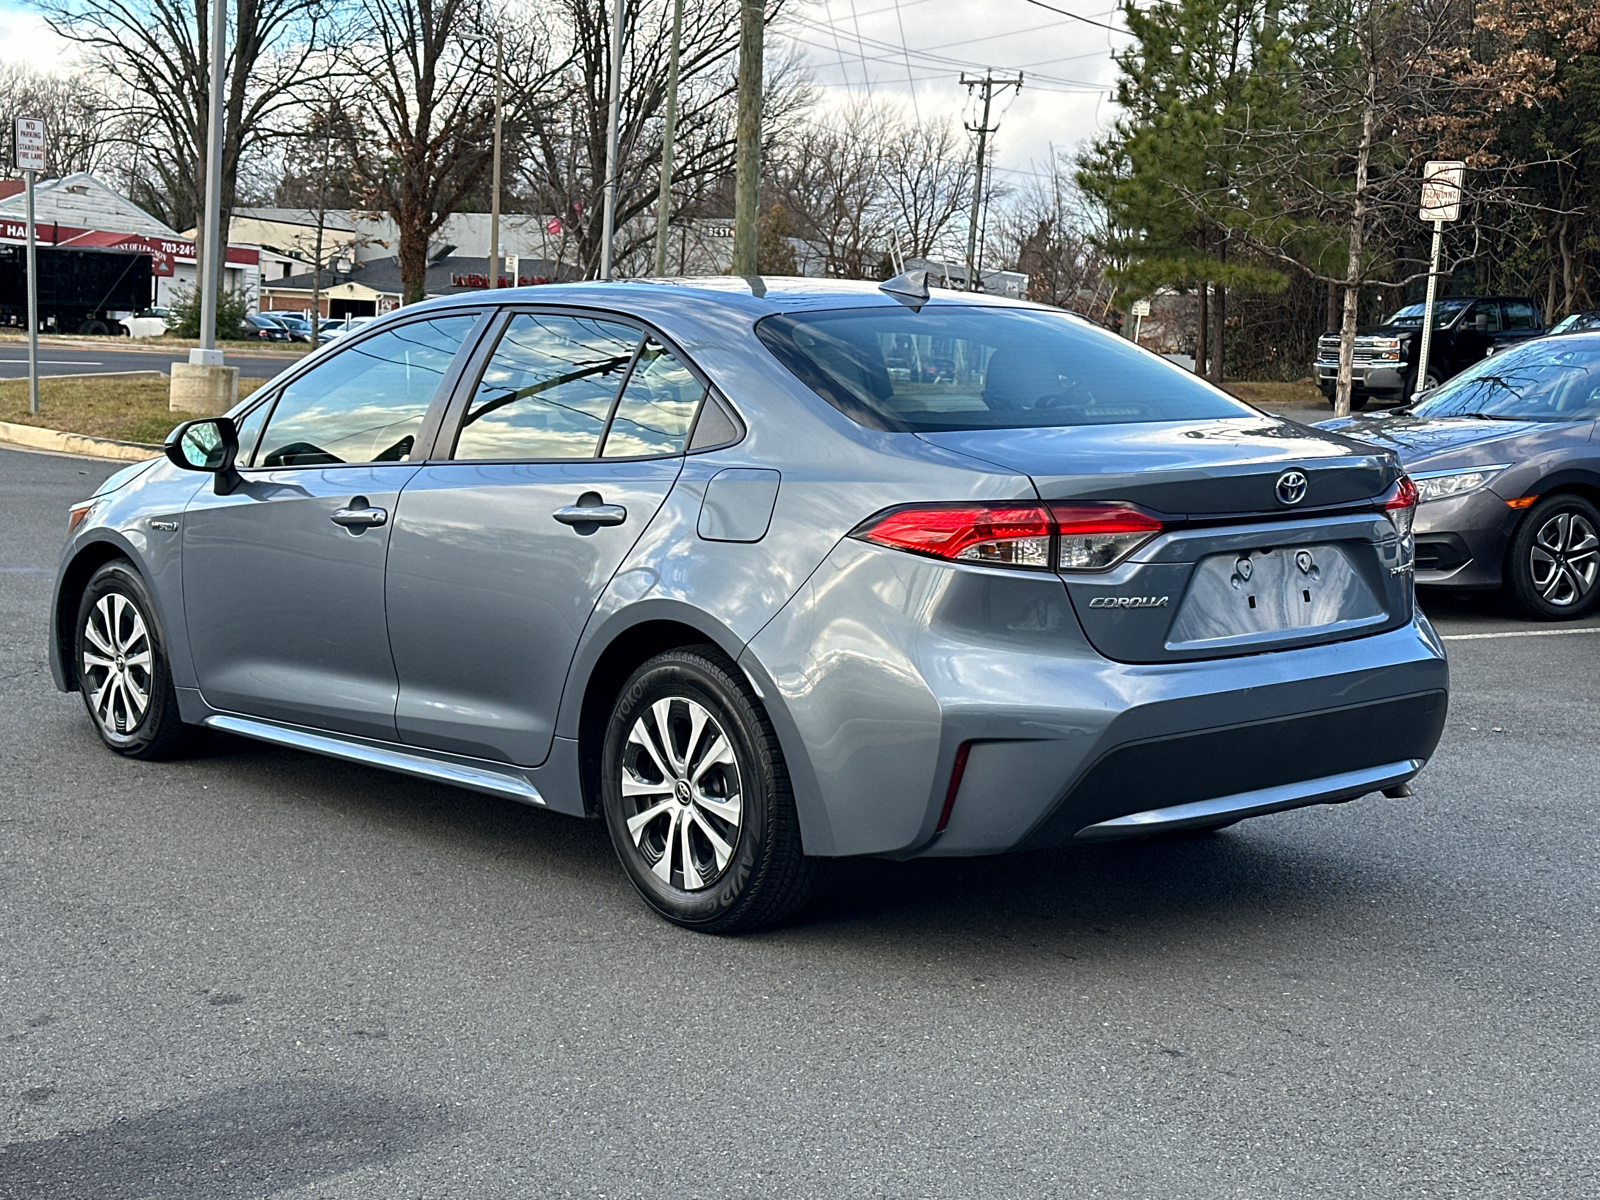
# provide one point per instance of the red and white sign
(30, 143)
(165, 253)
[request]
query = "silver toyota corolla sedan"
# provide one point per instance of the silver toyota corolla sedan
(766, 572)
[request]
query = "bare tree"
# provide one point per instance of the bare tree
(157, 53)
(85, 120)
(927, 183)
(430, 88)
(1047, 231)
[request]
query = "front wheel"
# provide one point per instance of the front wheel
(122, 666)
(1554, 560)
(697, 797)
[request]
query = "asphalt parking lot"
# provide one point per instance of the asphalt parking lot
(260, 973)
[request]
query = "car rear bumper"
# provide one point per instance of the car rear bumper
(887, 669)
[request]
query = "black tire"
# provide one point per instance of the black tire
(1358, 401)
(759, 874)
(116, 614)
(1553, 563)
(92, 327)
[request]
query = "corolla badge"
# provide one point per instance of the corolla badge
(1129, 602)
(1291, 487)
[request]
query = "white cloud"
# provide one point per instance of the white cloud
(853, 48)
(25, 38)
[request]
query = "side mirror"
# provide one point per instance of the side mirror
(1481, 322)
(209, 444)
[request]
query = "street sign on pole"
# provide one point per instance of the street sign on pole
(1441, 190)
(30, 161)
(1140, 309)
(1441, 202)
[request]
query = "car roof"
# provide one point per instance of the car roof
(757, 296)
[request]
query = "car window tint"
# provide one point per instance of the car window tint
(1486, 308)
(548, 389)
(657, 407)
(1519, 315)
(949, 367)
(366, 401)
(1546, 379)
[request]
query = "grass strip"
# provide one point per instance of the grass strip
(128, 410)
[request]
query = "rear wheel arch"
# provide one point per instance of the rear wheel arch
(626, 651)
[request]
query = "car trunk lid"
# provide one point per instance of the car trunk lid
(1273, 537)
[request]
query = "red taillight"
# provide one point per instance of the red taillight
(1068, 537)
(1402, 495)
(1004, 535)
(1400, 505)
(1097, 536)
(956, 772)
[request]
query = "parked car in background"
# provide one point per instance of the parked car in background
(1465, 329)
(148, 322)
(267, 330)
(691, 558)
(1506, 460)
(1578, 322)
(299, 327)
(334, 329)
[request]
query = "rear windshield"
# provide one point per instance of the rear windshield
(950, 368)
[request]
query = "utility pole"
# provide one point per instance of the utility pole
(747, 148)
(322, 223)
(983, 129)
(213, 252)
(494, 200)
(668, 132)
(608, 219)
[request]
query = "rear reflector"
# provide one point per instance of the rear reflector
(956, 772)
(1068, 537)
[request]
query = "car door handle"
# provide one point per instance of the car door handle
(359, 518)
(591, 514)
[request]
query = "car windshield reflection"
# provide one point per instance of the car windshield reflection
(1536, 382)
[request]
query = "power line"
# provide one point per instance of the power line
(916, 110)
(1073, 15)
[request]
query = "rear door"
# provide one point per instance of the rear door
(283, 577)
(560, 448)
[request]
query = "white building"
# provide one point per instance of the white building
(83, 212)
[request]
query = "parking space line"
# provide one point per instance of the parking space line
(1510, 633)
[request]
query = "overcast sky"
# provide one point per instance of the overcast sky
(908, 52)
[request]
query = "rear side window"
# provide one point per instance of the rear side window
(952, 367)
(657, 407)
(1519, 315)
(548, 390)
(365, 402)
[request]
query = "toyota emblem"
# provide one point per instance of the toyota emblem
(1291, 487)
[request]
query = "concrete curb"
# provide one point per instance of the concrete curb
(75, 443)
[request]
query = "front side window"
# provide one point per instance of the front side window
(1489, 310)
(548, 390)
(952, 367)
(366, 402)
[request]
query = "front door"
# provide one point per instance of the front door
(567, 446)
(283, 577)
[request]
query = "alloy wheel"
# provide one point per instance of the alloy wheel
(1564, 559)
(117, 664)
(680, 780)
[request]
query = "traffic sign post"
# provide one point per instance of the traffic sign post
(1140, 310)
(1441, 202)
(30, 161)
